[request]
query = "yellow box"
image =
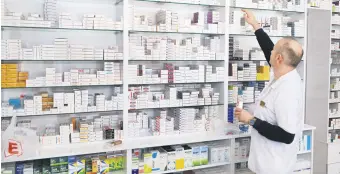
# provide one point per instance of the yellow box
(50, 99)
(11, 71)
(3, 85)
(12, 75)
(12, 66)
(179, 163)
(21, 84)
(259, 76)
(3, 71)
(3, 66)
(45, 100)
(11, 85)
(11, 80)
(95, 165)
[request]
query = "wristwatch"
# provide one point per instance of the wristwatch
(252, 121)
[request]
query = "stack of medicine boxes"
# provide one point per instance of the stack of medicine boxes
(11, 78)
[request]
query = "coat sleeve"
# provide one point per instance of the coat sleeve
(265, 43)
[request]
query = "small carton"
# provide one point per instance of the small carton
(187, 156)
(171, 157)
(163, 159)
(204, 154)
(196, 154)
(147, 163)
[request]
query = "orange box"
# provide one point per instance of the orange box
(3, 66)
(22, 78)
(45, 100)
(260, 69)
(3, 71)
(23, 74)
(12, 66)
(21, 84)
(50, 99)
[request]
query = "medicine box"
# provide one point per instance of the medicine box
(171, 157)
(196, 154)
(163, 159)
(204, 154)
(187, 156)
(155, 160)
(179, 156)
(147, 162)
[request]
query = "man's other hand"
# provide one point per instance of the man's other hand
(243, 115)
(251, 19)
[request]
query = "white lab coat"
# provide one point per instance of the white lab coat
(283, 107)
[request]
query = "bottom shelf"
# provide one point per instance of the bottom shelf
(194, 168)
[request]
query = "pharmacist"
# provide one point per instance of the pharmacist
(277, 116)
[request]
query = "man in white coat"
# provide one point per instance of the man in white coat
(277, 118)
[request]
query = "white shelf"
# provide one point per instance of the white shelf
(117, 84)
(36, 60)
(248, 81)
(331, 128)
(130, 109)
(150, 141)
(268, 9)
(57, 28)
(68, 150)
(181, 3)
(193, 168)
(304, 152)
(308, 127)
(132, 60)
(252, 34)
(174, 83)
(156, 141)
(63, 113)
(174, 32)
(104, 146)
(334, 116)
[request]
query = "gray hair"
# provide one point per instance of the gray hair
(292, 56)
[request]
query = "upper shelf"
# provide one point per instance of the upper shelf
(172, 32)
(182, 3)
(57, 28)
(267, 9)
(251, 34)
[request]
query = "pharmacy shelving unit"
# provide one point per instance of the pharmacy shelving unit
(321, 93)
(103, 38)
(120, 37)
